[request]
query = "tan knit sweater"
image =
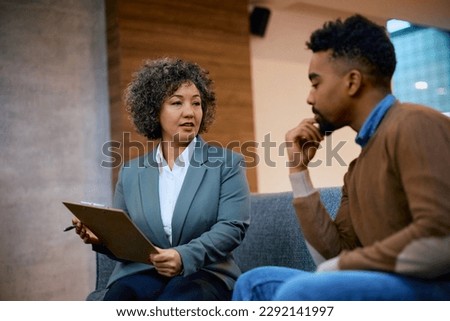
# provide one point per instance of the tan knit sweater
(395, 210)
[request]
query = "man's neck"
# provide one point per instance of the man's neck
(365, 105)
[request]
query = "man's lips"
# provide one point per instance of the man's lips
(316, 113)
(318, 118)
(325, 127)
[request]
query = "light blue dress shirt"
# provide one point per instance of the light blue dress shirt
(372, 122)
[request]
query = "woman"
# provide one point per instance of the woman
(190, 199)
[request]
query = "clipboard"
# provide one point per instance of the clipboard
(115, 230)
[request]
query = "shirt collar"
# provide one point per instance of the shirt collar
(372, 122)
(182, 159)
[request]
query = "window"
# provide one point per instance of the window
(423, 64)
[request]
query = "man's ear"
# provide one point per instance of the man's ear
(354, 80)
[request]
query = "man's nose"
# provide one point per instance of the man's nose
(310, 99)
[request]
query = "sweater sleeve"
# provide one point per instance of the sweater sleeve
(324, 235)
(420, 153)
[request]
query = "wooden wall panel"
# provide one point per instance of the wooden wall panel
(213, 33)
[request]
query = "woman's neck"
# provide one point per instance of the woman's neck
(172, 150)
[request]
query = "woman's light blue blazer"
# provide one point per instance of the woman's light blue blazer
(210, 218)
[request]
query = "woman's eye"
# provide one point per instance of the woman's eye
(197, 103)
(176, 103)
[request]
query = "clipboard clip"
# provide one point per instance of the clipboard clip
(92, 204)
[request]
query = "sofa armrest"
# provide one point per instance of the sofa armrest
(105, 266)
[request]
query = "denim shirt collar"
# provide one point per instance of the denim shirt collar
(372, 122)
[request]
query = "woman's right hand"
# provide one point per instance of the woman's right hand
(84, 232)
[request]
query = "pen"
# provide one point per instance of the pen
(71, 227)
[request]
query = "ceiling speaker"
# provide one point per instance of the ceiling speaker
(258, 21)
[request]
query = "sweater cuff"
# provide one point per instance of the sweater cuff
(301, 184)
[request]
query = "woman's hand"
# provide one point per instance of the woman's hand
(167, 262)
(301, 144)
(85, 234)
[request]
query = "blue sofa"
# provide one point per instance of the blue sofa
(273, 238)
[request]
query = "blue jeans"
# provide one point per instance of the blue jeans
(286, 284)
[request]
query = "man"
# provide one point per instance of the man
(391, 236)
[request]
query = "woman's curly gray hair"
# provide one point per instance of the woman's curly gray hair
(157, 80)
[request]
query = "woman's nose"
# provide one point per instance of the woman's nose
(188, 110)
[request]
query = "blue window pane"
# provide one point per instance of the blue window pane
(423, 66)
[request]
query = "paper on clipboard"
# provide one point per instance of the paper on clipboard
(115, 230)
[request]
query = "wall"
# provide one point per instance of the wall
(280, 88)
(57, 102)
(54, 120)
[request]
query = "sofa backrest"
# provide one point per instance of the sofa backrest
(273, 238)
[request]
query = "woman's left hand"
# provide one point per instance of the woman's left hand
(167, 262)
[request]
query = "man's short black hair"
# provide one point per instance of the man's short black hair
(359, 40)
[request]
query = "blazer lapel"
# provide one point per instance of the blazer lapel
(192, 181)
(149, 192)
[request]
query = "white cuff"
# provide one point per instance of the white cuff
(301, 184)
(330, 265)
(316, 256)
